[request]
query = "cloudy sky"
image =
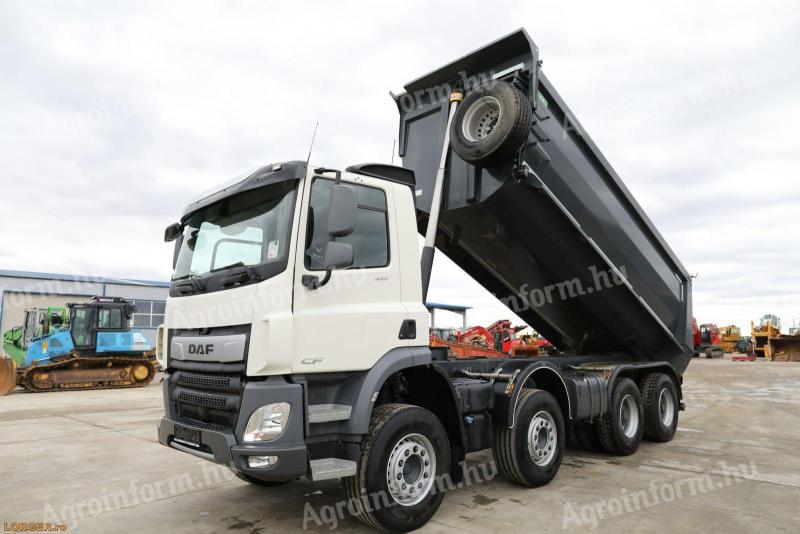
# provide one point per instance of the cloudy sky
(114, 116)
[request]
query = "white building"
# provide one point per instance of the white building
(20, 290)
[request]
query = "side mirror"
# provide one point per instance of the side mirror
(172, 232)
(342, 211)
(338, 255)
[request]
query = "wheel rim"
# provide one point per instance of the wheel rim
(666, 407)
(629, 416)
(411, 469)
(542, 438)
(481, 118)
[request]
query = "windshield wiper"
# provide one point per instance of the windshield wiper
(230, 266)
(185, 276)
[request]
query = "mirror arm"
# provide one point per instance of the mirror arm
(312, 281)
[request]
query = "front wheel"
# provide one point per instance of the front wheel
(406, 450)
(530, 452)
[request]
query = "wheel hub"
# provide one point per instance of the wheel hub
(666, 407)
(542, 438)
(629, 416)
(411, 469)
(481, 118)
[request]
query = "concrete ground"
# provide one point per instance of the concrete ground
(734, 466)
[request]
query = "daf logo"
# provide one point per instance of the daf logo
(201, 349)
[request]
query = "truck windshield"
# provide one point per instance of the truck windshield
(248, 229)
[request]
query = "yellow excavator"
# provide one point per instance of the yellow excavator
(729, 337)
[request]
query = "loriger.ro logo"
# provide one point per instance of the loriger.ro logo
(195, 348)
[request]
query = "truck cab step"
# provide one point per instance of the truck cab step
(327, 468)
(325, 413)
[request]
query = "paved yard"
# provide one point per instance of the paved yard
(734, 466)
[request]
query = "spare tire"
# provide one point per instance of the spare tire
(491, 125)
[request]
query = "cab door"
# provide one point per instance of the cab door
(356, 317)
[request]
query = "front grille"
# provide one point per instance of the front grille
(216, 382)
(206, 395)
(207, 401)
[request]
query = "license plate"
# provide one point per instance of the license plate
(187, 435)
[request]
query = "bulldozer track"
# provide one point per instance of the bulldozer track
(27, 377)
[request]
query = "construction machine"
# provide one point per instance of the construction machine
(707, 340)
(769, 327)
(729, 337)
(83, 346)
(500, 336)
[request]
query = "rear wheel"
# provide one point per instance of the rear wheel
(407, 448)
(660, 399)
(620, 430)
(530, 453)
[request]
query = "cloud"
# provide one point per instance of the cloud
(116, 115)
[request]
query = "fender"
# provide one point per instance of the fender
(506, 403)
(363, 393)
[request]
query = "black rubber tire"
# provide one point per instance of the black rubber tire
(654, 429)
(257, 482)
(511, 444)
(609, 427)
(388, 424)
(510, 132)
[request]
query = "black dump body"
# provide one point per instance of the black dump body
(564, 245)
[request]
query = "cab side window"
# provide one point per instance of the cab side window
(370, 239)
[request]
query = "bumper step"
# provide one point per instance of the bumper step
(325, 413)
(327, 468)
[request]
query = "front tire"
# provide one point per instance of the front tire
(530, 453)
(406, 450)
(621, 429)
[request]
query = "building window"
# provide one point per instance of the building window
(148, 314)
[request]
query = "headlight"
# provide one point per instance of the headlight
(268, 422)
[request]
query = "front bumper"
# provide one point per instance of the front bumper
(226, 447)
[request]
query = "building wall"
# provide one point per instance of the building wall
(18, 293)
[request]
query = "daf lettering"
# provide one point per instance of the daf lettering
(201, 349)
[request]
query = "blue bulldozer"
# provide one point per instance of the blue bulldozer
(81, 346)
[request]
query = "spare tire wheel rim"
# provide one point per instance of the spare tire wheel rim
(628, 416)
(481, 118)
(666, 407)
(411, 469)
(542, 438)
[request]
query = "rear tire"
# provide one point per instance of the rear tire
(621, 429)
(491, 125)
(530, 453)
(660, 400)
(406, 450)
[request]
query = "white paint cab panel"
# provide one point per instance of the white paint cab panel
(354, 319)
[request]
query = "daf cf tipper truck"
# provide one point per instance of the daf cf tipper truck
(295, 341)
